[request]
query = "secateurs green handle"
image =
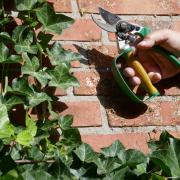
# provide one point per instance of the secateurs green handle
(132, 62)
(127, 33)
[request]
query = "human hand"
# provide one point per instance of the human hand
(157, 66)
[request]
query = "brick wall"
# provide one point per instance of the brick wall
(100, 111)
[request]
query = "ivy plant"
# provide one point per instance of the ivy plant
(46, 146)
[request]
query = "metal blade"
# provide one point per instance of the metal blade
(106, 27)
(110, 18)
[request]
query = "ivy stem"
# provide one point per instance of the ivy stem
(2, 78)
(26, 161)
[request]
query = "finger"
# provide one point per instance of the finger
(155, 77)
(129, 72)
(154, 38)
(135, 81)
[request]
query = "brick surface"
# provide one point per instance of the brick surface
(129, 140)
(131, 6)
(155, 113)
(96, 83)
(86, 113)
(81, 30)
(61, 5)
(101, 56)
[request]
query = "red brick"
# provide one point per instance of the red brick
(60, 92)
(129, 140)
(86, 113)
(96, 83)
(158, 113)
(101, 56)
(61, 5)
(131, 6)
(81, 30)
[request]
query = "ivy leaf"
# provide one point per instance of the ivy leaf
(23, 38)
(25, 5)
(38, 174)
(52, 22)
(26, 136)
(4, 52)
(4, 55)
(12, 174)
(168, 158)
(157, 177)
(44, 39)
(60, 77)
(12, 101)
(58, 55)
(106, 166)
(19, 34)
(25, 47)
(65, 122)
(112, 150)
(5, 36)
(20, 86)
(14, 59)
(85, 153)
(131, 157)
(31, 67)
(37, 98)
(118, 174)
(59, 170)
(35, 153)
(71, 136)
(6, 128)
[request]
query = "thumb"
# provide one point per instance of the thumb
(154, 38)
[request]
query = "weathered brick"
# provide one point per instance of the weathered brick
(131, 6)
(61, 5)
(86, 113)
(129, 140)
(96, 83)
(81, 30)
(157, 113)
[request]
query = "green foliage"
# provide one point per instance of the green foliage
(47, 146)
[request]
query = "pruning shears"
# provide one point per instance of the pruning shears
(127, 34)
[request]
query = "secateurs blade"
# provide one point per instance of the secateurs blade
(127, 34)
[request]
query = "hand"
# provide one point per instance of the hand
(156, 65)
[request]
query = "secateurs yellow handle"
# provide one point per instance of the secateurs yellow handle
(141, 72)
